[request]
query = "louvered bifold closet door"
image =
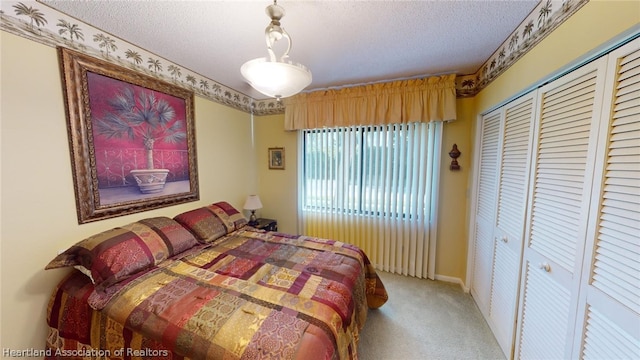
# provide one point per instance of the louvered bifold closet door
(512, 200)
(485, 213)
(610, 303)
(562, 174)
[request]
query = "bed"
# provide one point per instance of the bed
(205, 285)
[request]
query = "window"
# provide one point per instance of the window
(367, 170)
(374, 187)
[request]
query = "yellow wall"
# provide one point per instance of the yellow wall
(277, 188)
(451, 242)
(38, 208)
(596, 23)
(593, 25)
(38, 201)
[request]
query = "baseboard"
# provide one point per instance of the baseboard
(452, 279)
(445, 278)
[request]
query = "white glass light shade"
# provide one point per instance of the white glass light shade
(252, 203)
(276, 79)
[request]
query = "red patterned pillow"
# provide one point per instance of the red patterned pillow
(232, 218)
(211, 222)
(116, 254)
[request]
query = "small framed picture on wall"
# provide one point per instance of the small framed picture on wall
(276, 158)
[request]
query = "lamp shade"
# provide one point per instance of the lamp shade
(252, 203)
(276, 78)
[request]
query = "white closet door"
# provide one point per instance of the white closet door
(485, 210)
(562, 174)
(609, 319)
(512, 200)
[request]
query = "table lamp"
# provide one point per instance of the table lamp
(253, 203)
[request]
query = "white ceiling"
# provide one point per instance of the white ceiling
(342, 42)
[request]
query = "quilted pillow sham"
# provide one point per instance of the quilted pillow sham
(114, 255)
(211, 222)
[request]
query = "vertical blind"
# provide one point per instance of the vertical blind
(374, 187)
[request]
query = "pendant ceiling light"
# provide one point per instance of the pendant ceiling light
(278, 78)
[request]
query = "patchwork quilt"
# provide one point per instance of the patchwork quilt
(247, 295)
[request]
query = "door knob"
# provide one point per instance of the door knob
(545, 266)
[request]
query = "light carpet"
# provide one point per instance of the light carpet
(426, 319)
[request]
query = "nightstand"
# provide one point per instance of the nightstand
(267, 224)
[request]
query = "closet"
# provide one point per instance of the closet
(555, 240)
(502, 198)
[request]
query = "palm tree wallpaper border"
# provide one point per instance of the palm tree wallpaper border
(131, 137)
(36, 21)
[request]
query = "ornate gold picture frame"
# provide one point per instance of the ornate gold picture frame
(131, 138)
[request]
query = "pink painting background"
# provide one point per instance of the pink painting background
(116, 157)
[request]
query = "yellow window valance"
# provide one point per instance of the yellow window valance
(417, 100)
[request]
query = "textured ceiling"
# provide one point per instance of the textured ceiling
(342, 42)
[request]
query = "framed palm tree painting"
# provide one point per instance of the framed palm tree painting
(131, 136)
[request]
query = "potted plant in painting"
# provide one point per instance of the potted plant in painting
(140, 116)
